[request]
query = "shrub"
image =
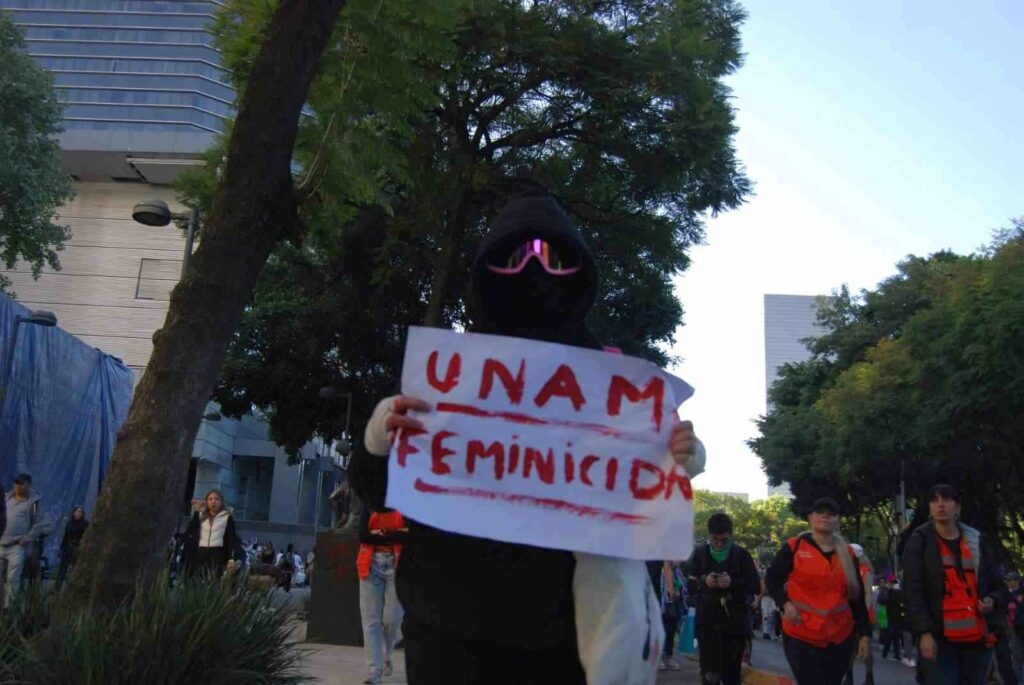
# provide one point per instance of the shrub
(214, 632)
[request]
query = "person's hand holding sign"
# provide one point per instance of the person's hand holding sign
(687, 450)
(390, 415)
(397, 415)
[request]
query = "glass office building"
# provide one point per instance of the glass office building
(141, 78)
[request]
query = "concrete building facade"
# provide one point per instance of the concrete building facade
(145, 97)
(788, 320)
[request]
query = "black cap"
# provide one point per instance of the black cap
(23, 478)
(1012, 575)
(825, 503)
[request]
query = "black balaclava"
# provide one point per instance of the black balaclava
(533, 303)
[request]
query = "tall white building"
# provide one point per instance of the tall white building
(788, 319)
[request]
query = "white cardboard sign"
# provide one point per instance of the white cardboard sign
(542, 444)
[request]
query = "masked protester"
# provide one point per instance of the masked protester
(951, 585)
(483, 611)
(814, 578)
(722, 576)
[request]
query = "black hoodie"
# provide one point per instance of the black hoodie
(472, 588)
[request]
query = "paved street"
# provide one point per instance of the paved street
(768, 655)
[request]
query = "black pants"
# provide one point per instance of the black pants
(818, 665)
(721, 655)
(892, 641)
(432, 658)
(1004, 660)
(209, 562)
(670, 621)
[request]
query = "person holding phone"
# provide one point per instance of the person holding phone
(815, 580)
(722, 577)
(211, 544)
(951, 587)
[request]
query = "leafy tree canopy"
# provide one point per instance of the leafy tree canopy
(32, 186)
(618, 108)
(919, 378)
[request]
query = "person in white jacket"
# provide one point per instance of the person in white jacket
(480, 610)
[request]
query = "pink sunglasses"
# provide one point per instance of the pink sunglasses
(546, 253)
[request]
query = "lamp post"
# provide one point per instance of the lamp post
(36, 318)
(157, 213)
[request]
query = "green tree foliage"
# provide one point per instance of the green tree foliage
(921, 377)
(32, 186)
(618, 108)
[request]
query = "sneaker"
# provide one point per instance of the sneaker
(908, 662)
(372, 680)
(674, 664)
(662, 665)
(388, 670)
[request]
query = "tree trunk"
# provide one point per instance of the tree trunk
(450, 249)
(253, 208)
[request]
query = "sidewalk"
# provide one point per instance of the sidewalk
(337, 665)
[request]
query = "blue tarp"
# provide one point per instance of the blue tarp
(63, 407)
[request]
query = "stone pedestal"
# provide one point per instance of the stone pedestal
(334, 593)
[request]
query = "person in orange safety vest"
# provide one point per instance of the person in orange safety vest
(814, 578)
(952, 587)
(380, 535)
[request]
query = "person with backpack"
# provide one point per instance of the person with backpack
(951, 588)
(814, 578)
(722, 579)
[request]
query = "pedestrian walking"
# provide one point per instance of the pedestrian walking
(767, 616)
(520, 613)
(286, 565)
(673, 607)
(381, 535)
(867, 573)
(815, 579)
(71, 541)
(212, 546)
(891, 599)
(1015, 620)
(268, 555)
(723, 581)
(23, 527)
(950, 586)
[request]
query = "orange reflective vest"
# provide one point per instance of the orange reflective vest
(390, 520)
(817, 587)
(961, 621)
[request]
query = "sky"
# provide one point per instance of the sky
(871, 130)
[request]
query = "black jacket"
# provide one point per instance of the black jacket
(734, 615)
(470, 588)
(924, 580)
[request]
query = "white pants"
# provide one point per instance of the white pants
(618, 621)
(12, 559)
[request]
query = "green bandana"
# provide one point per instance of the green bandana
(720, 555)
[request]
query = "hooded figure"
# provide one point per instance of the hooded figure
(484, 611)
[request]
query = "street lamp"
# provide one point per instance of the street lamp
(36, 318)
(157, 213)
